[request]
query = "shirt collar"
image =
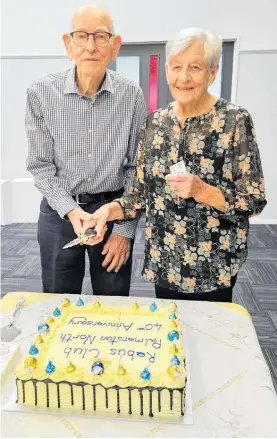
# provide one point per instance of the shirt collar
(71, 86)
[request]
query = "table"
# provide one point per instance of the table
(232, 391)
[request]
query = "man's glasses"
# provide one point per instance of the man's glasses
(100, 38)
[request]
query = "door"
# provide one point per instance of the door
(144, 63)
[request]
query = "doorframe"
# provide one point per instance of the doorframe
(235, 72)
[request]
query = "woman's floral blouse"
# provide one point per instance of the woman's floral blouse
(192, 247)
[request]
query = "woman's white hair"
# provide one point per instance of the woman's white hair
(184, 38)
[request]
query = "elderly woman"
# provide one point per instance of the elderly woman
(197, 221)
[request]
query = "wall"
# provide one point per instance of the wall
(32, 46)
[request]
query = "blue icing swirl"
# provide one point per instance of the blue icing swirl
(145, 374)
(50, 368)
(97, 368)
(57, 312)
(172, 335)
(172, 315)
(33, 350)
(153, 307)
(80, 302)
(175, 360)
(43, 328)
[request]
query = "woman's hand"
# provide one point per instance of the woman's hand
(98, 221)
(78, 217)
(108, 212)
(186, 185)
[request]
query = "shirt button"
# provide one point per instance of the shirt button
(89, 156)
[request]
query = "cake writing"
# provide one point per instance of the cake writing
(86, 338)
(150, 327)
(156, 343)
(84, 321)
(122, 352)
(79, 320)
(82, 339)
(94, 353)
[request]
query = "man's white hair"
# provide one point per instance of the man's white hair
(91, 8)
(184, 38)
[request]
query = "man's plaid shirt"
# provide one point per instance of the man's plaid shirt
(79, 144)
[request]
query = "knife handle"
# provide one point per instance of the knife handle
(90, 233)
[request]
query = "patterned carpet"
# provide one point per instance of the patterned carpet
(256, 287)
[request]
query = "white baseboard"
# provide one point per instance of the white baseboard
(263, 220)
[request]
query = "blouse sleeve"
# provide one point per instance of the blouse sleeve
(244, 188)
(133, 204)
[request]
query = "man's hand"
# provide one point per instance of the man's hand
(117, 251)
(186, 185)
(77, 217)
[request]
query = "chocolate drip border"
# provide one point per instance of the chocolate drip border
(107, 398)
(82, 384)
(36, 392)
(47, 395)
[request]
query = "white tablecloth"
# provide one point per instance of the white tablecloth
(232, 391)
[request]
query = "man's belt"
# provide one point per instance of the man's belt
(96, 198)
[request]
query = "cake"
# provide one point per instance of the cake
(108, 360)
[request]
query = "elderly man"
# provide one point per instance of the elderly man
(82, 127)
